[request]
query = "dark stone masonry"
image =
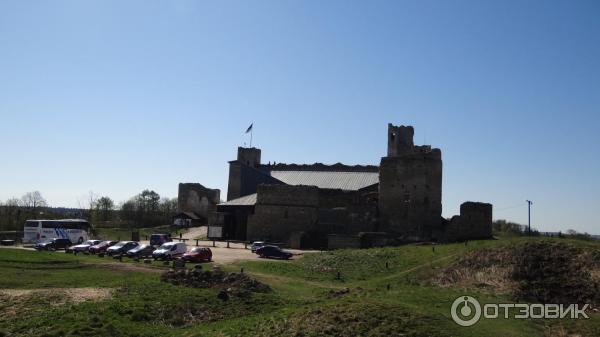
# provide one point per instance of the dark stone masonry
(339, 205)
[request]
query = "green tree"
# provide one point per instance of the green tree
(104, 207)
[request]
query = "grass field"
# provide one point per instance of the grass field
(385, 296)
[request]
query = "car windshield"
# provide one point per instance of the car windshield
(167, 246)
(141, 247)
(196, 250)
(89, 242)
(120, 244)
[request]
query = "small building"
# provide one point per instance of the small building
(188, 219)
(195, 204)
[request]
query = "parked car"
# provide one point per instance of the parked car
(255, 245)
(101, 247)
(121, 247)
(53, 244)
(170, 250)
(140, 251)
(83, 247)
(158, 239)
(273, 252)
(198, 254)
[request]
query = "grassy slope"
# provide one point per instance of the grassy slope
(301, 304)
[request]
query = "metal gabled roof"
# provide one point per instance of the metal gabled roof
(351, 181)
(248, 200)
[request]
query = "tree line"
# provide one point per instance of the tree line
(146, 209)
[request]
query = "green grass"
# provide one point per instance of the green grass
(306, 298)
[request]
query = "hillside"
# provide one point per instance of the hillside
(393, 291)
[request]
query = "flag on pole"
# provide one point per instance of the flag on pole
(249, 128)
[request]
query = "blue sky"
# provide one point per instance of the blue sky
(118, 96)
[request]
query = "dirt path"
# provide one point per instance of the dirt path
(269, 278)
(129, 267)
(196, 233)
(410, 270)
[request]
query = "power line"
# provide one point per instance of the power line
(509, 207)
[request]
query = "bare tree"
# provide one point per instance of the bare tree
(33, 201)
(92, 199)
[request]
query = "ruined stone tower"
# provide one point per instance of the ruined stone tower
(249, 156)
(400, 140)
(410, 187)
(245, 173)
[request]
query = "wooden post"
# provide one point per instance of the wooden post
(214, 243)
(196, 242)
(227, 243)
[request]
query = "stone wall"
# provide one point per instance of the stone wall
(474, 222)
(275, 223)
(410, 194)
(476, 218)
(288, 195)
(281, 210)
(195, 198)
(338, 241)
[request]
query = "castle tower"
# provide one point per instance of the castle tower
(410, 187)
(400, 140)
(249, 156)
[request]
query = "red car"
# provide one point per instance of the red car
(101, 247)
(198, 254)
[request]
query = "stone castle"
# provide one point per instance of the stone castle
(345, 206)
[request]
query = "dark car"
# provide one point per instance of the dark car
(54, 244)
(101, 247)
(273, 252)
(140, 251)
(198, 254)
(256, 245)
(121, 248)
(158, 239)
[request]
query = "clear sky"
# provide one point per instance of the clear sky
(118, 96)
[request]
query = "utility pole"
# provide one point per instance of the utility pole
(529, 203)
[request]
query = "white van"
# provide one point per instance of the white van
(170, 250)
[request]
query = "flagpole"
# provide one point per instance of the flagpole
(251, 130)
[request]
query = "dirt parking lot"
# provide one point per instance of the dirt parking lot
(221, 254)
